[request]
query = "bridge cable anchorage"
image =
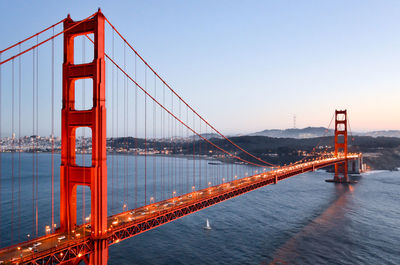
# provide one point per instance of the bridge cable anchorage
(174, 116)
(46, 40)
(173, 91)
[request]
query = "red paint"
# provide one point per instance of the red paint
(341, 146)
(94, 176)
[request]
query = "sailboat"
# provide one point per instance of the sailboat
(207, 227)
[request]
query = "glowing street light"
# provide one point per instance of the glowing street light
(47, 229)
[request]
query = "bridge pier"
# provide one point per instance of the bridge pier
(100, 253)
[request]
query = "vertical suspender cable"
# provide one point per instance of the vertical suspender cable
(33, 144)
(19, 144)
(125, 140)
(126, 135)
(136, 136)
(83, 143)
(163, 141)
(52, 134)
(154, 139)
(113, 128)
(206, 157)
(188, 146)
(200, 160)
(180, 159)
(173, 147)
(37, 137)
(145, 138)
(194, 161)
(116, 132)
(168, 159)
(12, 149)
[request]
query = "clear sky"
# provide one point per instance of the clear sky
(250, 65)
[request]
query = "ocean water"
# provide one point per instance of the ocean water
(302, 220)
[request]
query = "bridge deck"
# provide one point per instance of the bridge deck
(60, 247)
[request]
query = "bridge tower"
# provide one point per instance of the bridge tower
(72, 175)
(341, 145)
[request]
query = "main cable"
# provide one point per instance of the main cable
(173, 91)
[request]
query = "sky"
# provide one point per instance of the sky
(247, 66)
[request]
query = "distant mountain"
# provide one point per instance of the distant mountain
(388, 133)
(309, 132)
(206, 136)
(312, 132)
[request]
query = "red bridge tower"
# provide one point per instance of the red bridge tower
(72, 175)
(341, 145)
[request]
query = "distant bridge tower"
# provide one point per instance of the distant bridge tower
(95, 175)
(341, 169)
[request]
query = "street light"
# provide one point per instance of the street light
(47, 229)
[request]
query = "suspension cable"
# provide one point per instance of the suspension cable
(46, 40)
(173, 91)
(37, 34)
(174, 116)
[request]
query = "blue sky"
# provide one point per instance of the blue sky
(250, 65)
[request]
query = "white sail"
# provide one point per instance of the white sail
(208, 227)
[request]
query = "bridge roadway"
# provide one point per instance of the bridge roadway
(60, 247)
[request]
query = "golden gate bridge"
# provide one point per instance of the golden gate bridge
(136, 107)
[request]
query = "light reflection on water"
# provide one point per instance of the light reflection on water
(302, 220)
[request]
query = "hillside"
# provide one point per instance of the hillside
(312, 132)
(379, 152)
